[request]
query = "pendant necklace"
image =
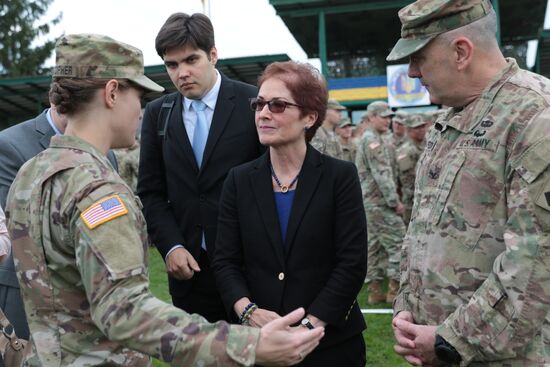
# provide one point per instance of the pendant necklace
(284, 188)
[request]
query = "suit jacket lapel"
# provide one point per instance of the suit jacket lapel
(307, 185)
(222, 112)
(44, 129)
(180, 133)
(260, 180)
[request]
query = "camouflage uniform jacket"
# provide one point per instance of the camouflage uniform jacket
(348, 151)
(407, 156)
(86, 291)
(128, 164)
(477, 251)
(397, 141)
(326, 142)
(376, 171)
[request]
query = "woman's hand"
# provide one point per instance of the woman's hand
(260, 317)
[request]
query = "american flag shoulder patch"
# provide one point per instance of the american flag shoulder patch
(103, 211)
(374, 145)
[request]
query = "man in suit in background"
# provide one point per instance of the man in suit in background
(18, 144)
(190, 140)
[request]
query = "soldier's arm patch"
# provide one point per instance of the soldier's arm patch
(103, 211)
(374, 145)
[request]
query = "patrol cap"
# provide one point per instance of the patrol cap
(400, 117)
(335, 105)
(423, 20)
(344, 122)
(85, 56)
(416, 120)
(380, 108)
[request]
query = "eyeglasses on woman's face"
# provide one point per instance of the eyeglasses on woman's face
(275, 105)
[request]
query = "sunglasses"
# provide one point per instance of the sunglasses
(275, 105)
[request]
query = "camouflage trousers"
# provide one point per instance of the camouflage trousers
(386, 231)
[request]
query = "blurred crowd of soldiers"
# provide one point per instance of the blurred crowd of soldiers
(385, 146)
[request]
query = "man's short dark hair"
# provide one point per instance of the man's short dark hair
(183, 30)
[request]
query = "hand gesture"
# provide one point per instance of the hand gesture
(181, 265)
(280, 345)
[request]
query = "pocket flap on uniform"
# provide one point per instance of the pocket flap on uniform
(534, 161)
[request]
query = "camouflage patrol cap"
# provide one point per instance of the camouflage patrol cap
(415, 120)
(380, 108)
(344, 122)
(85, 56)
(335, 105)
(400, 117)
(423, 20)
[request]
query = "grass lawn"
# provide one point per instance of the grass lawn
(378, 336)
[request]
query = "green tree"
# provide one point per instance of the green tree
(21, 27)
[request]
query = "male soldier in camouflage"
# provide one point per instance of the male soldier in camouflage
(475, 285)
(128, 160)
(80, 242)
(325, 140)
(359, 130)
(407, 156)
(128, 164)
(349, 148)
(398, 127)
(382, 204)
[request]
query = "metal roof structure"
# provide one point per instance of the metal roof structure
(363, 27)
(542, 63)
(339, 32)
(24, 98)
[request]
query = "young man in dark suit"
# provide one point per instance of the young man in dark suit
(190, 140)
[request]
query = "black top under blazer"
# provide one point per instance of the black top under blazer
(325, 262)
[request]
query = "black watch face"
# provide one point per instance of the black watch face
(307, 323)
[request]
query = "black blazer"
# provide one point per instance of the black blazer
(323, 262)
(179, 201)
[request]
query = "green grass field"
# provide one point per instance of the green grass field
(378, 336)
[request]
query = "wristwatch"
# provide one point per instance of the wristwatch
(445, 352)
(305, 322)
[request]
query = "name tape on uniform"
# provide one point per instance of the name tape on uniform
(103, 211)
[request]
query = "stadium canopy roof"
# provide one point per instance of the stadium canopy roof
(330, 28)
(542, 63)
(23, 98)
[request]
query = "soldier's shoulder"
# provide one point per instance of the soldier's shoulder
(534, 84)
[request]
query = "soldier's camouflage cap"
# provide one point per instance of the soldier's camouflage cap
(424, 20)
(380, 108)
(400, 117)
(345, 122)
(416, 120)
(85, 56)
(335, 105)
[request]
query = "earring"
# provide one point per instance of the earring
(306, 128)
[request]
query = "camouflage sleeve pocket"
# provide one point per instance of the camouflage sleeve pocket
(404, 162)
(534, 168)
(115, 242)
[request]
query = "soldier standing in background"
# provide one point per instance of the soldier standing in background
(382, 205)
(475, 285)
(128, 160)
(407, 156)
(398, 129)
(80, 243)
(349, 148)
(325, 140)
(359, 129)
